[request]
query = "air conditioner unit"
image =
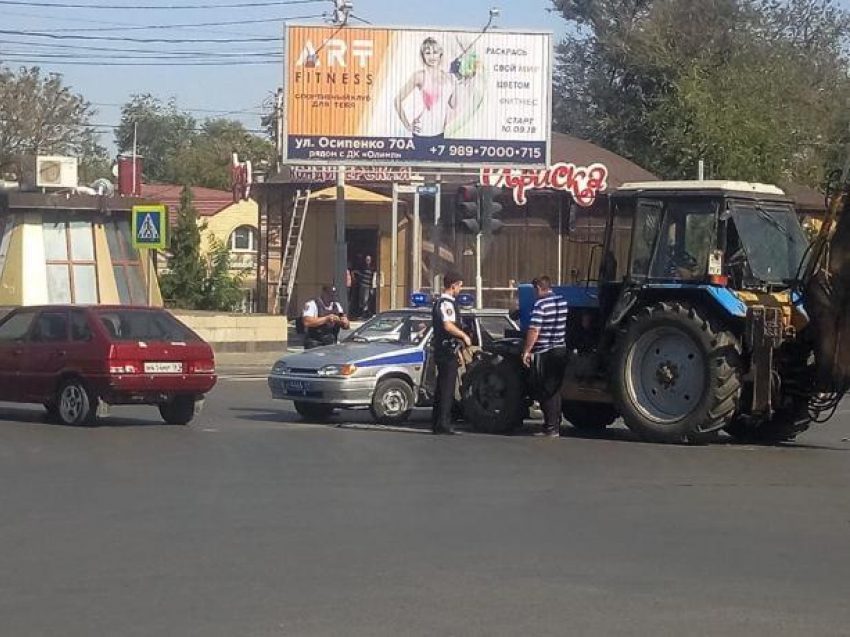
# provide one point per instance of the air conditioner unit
(50, 171)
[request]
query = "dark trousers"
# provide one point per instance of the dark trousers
(318, 341)
(551, 369)
(447, 368)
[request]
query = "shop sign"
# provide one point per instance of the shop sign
(362, 174)
(584, 183)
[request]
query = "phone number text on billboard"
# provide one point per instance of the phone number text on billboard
(396, 149)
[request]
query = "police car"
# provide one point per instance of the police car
(385, 365)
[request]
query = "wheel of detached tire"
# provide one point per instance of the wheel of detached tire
(178, 411)
(492, 396)
(392, 401)
(677, 375)
(587, 417)
(314, 412)
(74, 405)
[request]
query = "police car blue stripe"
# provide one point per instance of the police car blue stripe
(397, 359)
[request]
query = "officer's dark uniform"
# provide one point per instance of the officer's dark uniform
(446, 347)
(326, 334)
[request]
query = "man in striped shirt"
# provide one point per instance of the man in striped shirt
(545, 346)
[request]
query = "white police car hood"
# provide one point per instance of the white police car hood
(361, 354)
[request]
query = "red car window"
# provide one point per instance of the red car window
(50, 327)
(80, 328)
(144, 325)
(16, 326)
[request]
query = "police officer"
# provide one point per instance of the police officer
(323, 318)
(448, 339)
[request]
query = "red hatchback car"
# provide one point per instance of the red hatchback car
(72, 358)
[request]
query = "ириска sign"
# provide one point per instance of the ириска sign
(417, 97)
(584, 183)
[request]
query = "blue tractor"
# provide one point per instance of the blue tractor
(706, 316)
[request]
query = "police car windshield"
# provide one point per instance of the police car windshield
(398, 327)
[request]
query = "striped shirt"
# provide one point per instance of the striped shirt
(550, 317)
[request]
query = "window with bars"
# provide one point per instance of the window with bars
(126, 263)
(70, 255)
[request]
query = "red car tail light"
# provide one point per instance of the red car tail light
(124, 367)
(202, 367)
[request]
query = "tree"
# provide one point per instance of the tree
(160, 132)
(182, 285)
(756, 88)
(195, 281)
(222, 290)
(39, 114)
(176, 150)
(206, 160)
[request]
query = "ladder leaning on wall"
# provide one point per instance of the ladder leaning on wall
(291, 251)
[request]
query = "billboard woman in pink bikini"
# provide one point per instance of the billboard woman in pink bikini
(437, 88)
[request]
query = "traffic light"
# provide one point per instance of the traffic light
(468, 209)
(490, 209)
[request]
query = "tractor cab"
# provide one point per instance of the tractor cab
(741, 235)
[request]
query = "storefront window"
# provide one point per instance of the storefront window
(126, 263)
(71, 267)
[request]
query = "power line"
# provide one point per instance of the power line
(81, 47)
(118, 56)
(193, 129)
(117, 26)
(68, 5)
(359, 19)
(193, 25)
(138, 63)
(39, 48)
(111, 38)
(192, 110)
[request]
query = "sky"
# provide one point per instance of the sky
(235, 92)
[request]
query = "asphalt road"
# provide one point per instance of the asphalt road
(250, 523)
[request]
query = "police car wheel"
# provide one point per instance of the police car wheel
(316, 412)
(392, 401)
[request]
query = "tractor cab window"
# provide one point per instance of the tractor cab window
(615, 258)
(772, 239)
(673, 239)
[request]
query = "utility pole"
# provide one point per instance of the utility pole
(342, 10)
(278, 128)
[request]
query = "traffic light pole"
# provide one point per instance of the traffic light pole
(479, 282)
(341, 260)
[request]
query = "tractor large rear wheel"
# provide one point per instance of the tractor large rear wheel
(677, 375)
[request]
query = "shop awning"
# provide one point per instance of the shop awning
(352, 194)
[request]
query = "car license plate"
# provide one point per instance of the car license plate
(296, 387)
(163, 368)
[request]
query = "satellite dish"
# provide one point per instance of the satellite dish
(103, 187)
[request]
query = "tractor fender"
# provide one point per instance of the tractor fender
(725, 302)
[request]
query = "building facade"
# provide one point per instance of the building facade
(71, 249)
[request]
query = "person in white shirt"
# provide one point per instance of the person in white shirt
(323, 318)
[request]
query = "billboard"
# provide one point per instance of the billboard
(416, 97)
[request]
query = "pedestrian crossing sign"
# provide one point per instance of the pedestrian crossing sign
(150, 227)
